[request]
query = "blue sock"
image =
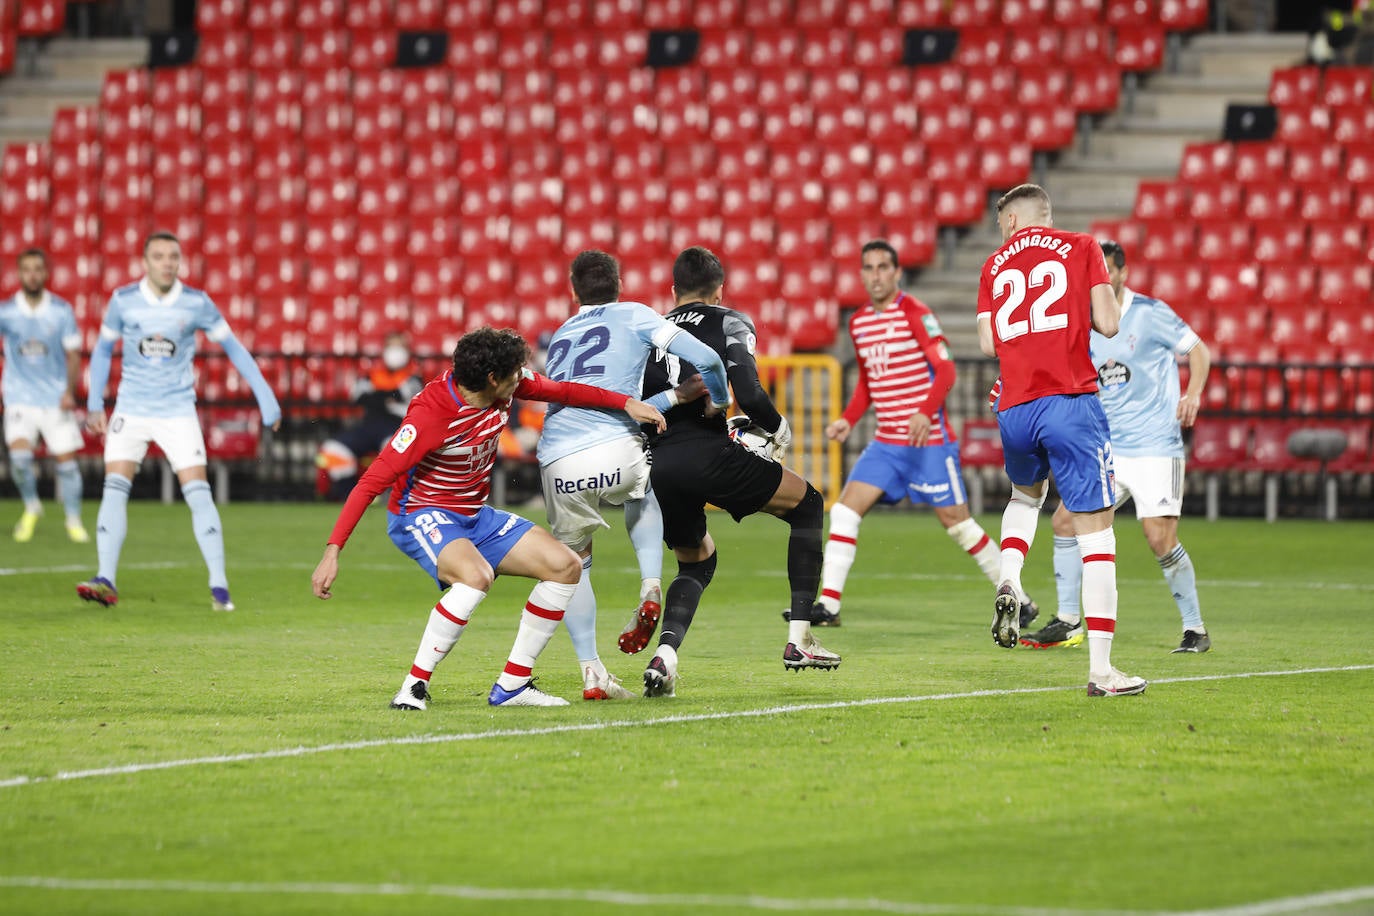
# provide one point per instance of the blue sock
(112, 524)
(644, 520)
(1068, 577)
(209, 532)
(69, 482)
(21, 469)
(580, 617)
(1177, 567)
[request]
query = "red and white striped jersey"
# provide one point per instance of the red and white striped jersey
(442, 455)
(904, 368)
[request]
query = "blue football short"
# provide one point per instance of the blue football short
(1065, 434)
(929, 474)
(423, 534)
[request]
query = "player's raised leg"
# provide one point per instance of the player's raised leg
(644, 524)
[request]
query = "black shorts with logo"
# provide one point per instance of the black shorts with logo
(692, 468)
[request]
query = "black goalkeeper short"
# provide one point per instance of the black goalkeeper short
(691, 469)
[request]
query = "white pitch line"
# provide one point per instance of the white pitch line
(1276, 907)
(134, 768)
(77, 568)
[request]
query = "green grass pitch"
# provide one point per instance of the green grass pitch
(157, 757)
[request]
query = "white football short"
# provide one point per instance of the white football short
(179, 437)
(577, 485)
(1156, 485)
(56, 426)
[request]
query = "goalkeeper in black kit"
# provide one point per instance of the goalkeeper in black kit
(695, 462)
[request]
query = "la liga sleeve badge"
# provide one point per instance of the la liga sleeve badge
(404, 438)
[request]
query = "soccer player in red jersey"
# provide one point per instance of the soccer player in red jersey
(905, 372)
(438, 466)
(1039, 296)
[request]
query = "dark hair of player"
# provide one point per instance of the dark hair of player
(162, 235)
(880, 245)
(696, 272)
(1114, 253)
(487, 353)
(32, 253)
(595, 277)
(1031, 192)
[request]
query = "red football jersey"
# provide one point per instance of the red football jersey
(442, 455)
(1036, 290)
(904, 367)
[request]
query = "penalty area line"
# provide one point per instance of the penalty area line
(1277, 907)
(572, 727)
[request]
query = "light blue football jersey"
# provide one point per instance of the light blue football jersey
(36, 341)
(159, 338)
(1137, 377)
(608, 346)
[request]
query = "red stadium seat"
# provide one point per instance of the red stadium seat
(1167, 240)
(980, 46)
(973, 13)
(1362, 203)
(1216, 200)
(1130, 233)
(1077, 13)
(877, 48)
(1234, 283)
(922, 14)
(1034, 46)
(1050, 126)
(1183, 15)
(1260, 162)
(1041, 85)
(1219, 444)
(1352, 125)
(1333, 243)
(1020, 13)
(1207, 162)
(1297, 86)
(823, 46)
(1130, 13)
(866, 15)
(319, 14)
(1346, 86)
(915, 238)
(1324, 201)
(1279, 241)
(1279, 200)
(1178, 282)
(960, 203)
(1310, 163)
(1287, 286)
(1303, 125)
(1139, 49)
(775, 47)
(1342, 287)
(1160, 200)
(1005, 165)
(1223, 240)
(1096, 88)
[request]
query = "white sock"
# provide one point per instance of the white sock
(545, 608)
(580, 618)
(1019, 521)
(446, 623)
(974, 541)
(840, 550)
(1099, 597)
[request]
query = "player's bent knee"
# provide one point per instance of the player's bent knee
(701, 571)
(1021, 496)
(809, 512)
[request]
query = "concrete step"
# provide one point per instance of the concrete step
(1193, 107)
(1164, 147)
(28, 97)
(72, 58)
(24, 129)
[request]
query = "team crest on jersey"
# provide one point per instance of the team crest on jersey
(404, 438)
(33, 349)
(1113, 374)
(157, 347)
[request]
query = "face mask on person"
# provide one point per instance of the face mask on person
(395, 357)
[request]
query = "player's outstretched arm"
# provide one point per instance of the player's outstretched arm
(838, 430)
(1199, 366)
(645, 413)
(326, 572)
(1106, 310)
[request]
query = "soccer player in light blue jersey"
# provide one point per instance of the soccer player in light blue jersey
(589, 458)
(1138, 384)
(157, 319)
(42, 372)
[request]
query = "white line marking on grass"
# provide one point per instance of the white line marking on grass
(624, 898)
(133, 768)
(77, 568)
